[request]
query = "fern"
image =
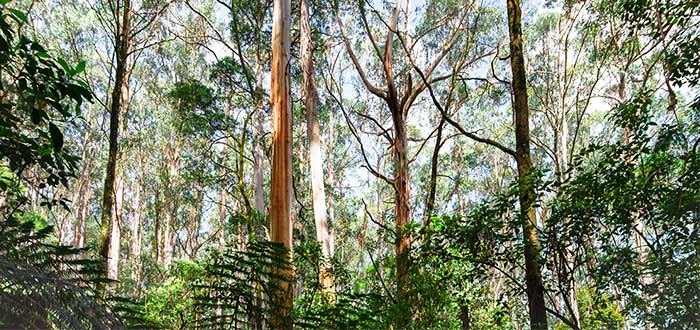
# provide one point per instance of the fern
(45, 285)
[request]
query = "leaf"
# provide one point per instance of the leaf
(79, 68)
(20, 15)
(42, 55)
(56, 137)
(65, 65)
(37, 115)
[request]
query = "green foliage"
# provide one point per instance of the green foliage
(597, 312)
(39, 95)
(193, 107)
(638, 202)
(171, 303)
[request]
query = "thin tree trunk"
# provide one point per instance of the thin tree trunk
(331, 180)
(223, 192)
(115, 234)
(381, 240)
(533, 276)
(281, 181)
(84, 188)
(310, 97)
(119, 96)
(258, 193)
(430, 201)
(158, 229)
(223, 195)
(568, 253)
(171, 210)
(83, 214)
(136, 231)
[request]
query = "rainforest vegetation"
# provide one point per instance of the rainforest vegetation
(350, 164)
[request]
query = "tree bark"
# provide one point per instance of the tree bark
(430, 201)
(258, 193)
(118, 97)
(223, 189)
(171, 207)
(281, 181)
(223, 196)
(533, 276)
(313, 131)
(136, 231)
(401, 197)
(83, 214)
(115, 233)
(465, 317)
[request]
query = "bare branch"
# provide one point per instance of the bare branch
(373, 89)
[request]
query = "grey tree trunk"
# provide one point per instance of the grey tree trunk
(119, 98)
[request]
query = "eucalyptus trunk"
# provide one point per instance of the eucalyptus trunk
(533, 275)
(136, 231)
(313, 132)
(281, 180)
(116, 232)
(119, 98)
(258, 193)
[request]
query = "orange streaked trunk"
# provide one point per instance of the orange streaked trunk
(281, 180)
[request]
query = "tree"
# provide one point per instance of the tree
(119, 99)
(281, 181)
(398, 94)
(526, 186)
(310, 96)
(128, 39)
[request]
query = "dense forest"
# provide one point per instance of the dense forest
(350, 164)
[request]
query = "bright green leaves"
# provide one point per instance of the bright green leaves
(79, 68)
(18, 15)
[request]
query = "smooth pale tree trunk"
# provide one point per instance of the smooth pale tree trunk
(281, 180)
(313, 132)
(115, 234)
(196, 222)
(223, 190)
(136, 231)
(84, 188)
(258, 193)
(119, 97)
(568, 253)
(223, 196)
(533, 275)
(171, 210)
(158, 228)
(80, 237)
(167, 208)
(638, 224)
(331, 181)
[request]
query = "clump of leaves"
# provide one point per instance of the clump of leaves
(40, 94)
